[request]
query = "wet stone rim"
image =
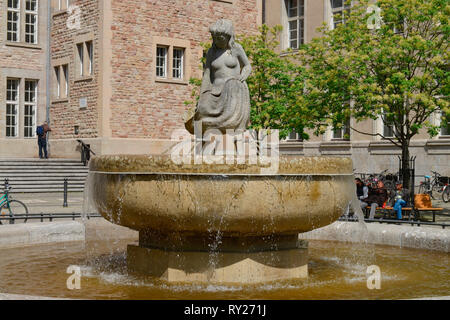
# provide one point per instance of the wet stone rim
(287, 165)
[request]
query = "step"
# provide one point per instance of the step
(46, 190)
(42, 174)
(47, 181)
(8, 168)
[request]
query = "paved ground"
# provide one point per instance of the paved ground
(38, 203)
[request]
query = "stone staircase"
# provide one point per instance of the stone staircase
(36, 175)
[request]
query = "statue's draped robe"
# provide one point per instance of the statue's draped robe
(223, 107)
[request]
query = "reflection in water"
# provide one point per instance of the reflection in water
(336, 271)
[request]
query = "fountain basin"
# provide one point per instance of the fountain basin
(247, 220)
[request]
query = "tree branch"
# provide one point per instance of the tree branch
(378, 135)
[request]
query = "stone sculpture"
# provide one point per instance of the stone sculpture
(224, 101)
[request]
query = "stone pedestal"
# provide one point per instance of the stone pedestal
(237, 260)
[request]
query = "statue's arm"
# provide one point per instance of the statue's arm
(246, 68)
(206, 80)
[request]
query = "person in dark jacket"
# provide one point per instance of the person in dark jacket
(377, 198)
(41, 133)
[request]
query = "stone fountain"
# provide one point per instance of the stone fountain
(220, 222)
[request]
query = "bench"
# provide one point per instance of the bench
(422, 203)
(388, 211)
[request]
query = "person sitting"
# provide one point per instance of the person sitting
(362, 192)
(377, 198)
(400, 200)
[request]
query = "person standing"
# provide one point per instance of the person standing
(41, 133)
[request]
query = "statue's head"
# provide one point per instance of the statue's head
(220, 30)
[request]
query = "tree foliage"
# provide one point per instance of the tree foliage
(398, 72)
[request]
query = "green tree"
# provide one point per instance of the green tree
(397, 71)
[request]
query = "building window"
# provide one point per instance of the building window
(61, 81)
(90, 55)
(178, 63)
(342, 133)
(12, 107)
(294, 136)
(80, 59)
(13, 21)
(22, 15)
(161, 61)
(31, 21)
(341, 11)
(445, 125)
(296, 22)
(85, 58)
(30, 108)
(388, 127)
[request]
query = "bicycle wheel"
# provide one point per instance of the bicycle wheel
(4, 213)
(423, 189)
(389, 185)
(18, 210)
(446, 194)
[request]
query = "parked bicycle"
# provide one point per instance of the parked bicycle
(15, 209)
(446, 193)
(429, 185)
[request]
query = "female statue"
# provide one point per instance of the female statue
(224, 101)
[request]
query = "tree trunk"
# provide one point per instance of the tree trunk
(406, 166)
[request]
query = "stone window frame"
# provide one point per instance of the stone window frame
(171, 44)
(59, 86)
(22, 25)
(33, 105)
(84, 70)
(17, 103)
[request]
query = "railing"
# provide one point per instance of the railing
(392, 221)
(49, 216)
(86, 151)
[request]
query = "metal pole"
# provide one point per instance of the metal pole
(48, 69)
(65, 205)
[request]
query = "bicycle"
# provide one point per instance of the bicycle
(13, 208)
(428, 186)
(446, 193)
